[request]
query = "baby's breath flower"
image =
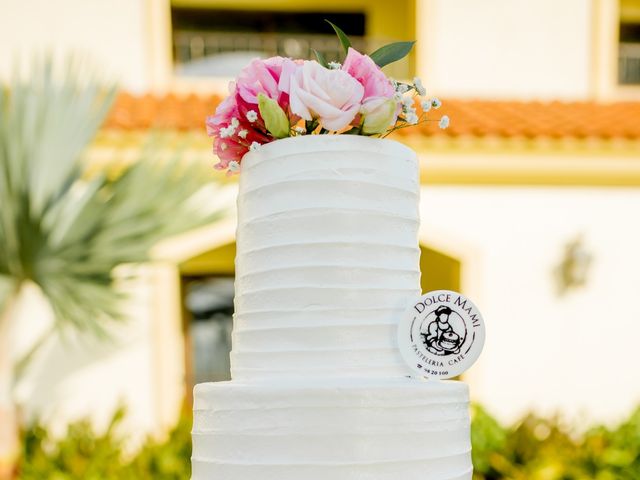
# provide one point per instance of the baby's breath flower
(254, 146)
(444, 122)
(417, 84)
(411, 118)
(426, 105)
(334, 65)
(436, 103)
(252, 115)
(407, 103)
(402, 88)
(235, 122)
(233, 166)
(243, 133)
(228, 131)
(408, 108)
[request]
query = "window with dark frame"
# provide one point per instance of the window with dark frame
(629, 46)
(218, 43)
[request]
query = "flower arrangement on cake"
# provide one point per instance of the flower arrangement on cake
(281, 97)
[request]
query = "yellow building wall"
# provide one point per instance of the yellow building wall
(219, 261)
(630, 11)
(439, 271)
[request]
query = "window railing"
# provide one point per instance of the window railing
(629, 64)
(223, 53)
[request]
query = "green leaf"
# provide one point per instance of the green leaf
(275, 119)
(391, 53)
(344, 40)
(321, 60)
(311, 125)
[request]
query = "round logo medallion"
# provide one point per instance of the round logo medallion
(441, 335)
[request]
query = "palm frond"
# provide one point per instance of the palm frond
(67, 231)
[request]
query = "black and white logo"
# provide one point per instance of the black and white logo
(441, 334)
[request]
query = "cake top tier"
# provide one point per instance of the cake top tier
(327, 257)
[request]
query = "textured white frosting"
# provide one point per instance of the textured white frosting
(327, 262)
(327, 258)
(394, 429)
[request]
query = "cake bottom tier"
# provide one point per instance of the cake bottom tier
(399, 429)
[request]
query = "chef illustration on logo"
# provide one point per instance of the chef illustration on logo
(440, 336)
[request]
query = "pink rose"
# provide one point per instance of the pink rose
(233, 133)
(270, 77)
(331, 96)
(225, 111)
(363, 69)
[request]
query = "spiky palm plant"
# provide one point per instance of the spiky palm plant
(64, 229)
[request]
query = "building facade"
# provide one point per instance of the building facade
(528, 204)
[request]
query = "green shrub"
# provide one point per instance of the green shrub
(533, 449)
(544, 449)
(85, 455)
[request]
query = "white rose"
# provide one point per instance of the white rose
(331, 96)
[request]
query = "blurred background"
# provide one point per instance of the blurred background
(530, 206)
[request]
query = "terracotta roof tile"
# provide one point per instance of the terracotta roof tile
(468, 117)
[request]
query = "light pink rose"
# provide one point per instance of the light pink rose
(363, 69)
(332, 96)
(270, 76)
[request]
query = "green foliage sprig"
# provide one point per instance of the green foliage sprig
(383, 56)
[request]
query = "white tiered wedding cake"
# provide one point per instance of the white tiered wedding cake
(327, 262)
